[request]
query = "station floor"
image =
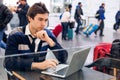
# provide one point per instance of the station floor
(79, 41)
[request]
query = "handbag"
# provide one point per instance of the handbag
(71, 24)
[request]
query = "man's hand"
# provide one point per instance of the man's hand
(19, 9)
(15, 9)
(44, 36)
(50, 63)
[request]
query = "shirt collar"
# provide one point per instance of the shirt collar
(27, 30)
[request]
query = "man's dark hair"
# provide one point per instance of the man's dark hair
(37, 8)
(69, 6)
(23, 0)
(102, 4)
(79, 3)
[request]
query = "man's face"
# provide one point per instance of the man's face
(80, 5)
(22, 2)
(39, 22)
(104, 5)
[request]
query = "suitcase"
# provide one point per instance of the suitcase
(56, 31)
(90, 29)
(70, 34)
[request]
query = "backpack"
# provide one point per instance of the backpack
(115, 49)
(116, 26)
(75, 15)
(97, 15)
(60, 16)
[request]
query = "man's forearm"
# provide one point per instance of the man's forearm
(50, 42)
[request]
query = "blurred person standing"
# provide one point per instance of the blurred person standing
(64, 21)
(101, 13)
(77, 17)
(117, 21)
(22, 9)
(117, 17)
(5, 17)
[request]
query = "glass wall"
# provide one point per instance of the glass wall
(1, 1)
(57, 6)
(54, 6)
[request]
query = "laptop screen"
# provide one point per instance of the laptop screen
(77, 61)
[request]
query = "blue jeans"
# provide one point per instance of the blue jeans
(64, 30)
(2, 44)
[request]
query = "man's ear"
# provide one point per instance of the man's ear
(29, 18)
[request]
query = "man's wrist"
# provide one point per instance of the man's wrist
(34, 66)
(51, 42)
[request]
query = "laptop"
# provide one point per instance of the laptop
(77, 62)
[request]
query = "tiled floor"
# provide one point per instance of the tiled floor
(81, 40)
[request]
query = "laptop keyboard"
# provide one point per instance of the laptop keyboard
(58, 67)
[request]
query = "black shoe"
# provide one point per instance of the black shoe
(87, 35)
(77, 33)
(101, 35)
(64, 39)
(81, 29)
(95, 33)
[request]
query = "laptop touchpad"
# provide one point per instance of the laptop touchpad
(58, 67)
(61, 72)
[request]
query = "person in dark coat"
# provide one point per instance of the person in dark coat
(117, 17)
(22, 11)
(117, 21)
(5, 17)
(101, 18)
(77, 16)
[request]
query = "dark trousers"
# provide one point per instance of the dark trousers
(118, 22)
(64, 30)
(101, 27)
(78, 25)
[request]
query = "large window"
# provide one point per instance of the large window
(56, 6)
